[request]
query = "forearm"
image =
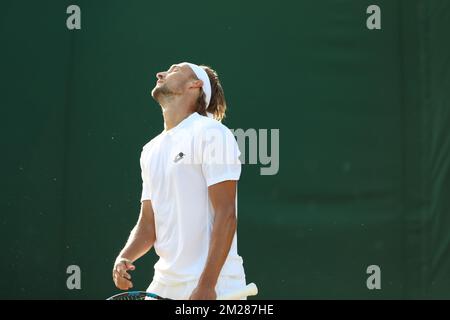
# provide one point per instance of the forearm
(140, 241)
(137, 245)
(224, 229)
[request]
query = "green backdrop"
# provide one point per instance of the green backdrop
(364, 139)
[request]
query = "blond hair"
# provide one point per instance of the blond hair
(217, 105)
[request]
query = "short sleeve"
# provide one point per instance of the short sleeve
(145, 195)
(220, 156)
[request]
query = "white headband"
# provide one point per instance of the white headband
(202, 75)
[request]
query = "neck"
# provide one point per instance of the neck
(175, 108)
(173, 116)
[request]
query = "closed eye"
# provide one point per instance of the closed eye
(173, 68)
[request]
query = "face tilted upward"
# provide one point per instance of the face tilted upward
(172, 82)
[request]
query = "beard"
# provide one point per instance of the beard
(160, 93)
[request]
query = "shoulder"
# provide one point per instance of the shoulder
(205, 126)
(149, 144)
(215, 137)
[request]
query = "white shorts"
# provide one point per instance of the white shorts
(182, 291)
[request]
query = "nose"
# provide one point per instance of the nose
(160, 75)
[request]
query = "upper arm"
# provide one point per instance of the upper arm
(147, 218)
(220, 155)
(223, 196)
(146, 192)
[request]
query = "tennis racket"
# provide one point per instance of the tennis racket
(249, 290)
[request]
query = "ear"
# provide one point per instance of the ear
(196, 84)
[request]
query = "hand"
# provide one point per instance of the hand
(203, 293)
(121, 277)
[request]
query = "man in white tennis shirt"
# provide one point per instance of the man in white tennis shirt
(188, 203)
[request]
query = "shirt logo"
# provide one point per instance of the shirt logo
(179, 157)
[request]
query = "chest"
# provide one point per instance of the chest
(172, 158)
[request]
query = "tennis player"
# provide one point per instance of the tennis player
(188, 203)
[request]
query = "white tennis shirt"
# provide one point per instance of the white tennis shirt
(177, 167)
